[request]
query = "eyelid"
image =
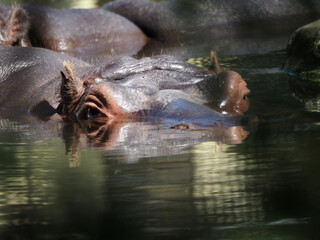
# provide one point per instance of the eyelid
(95, 114)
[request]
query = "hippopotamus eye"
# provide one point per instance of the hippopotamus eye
(93, 113)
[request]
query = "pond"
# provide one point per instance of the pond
(147, 181)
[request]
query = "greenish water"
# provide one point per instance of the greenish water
(151, 182)
(145, 181)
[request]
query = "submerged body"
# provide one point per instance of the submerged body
(122, 89)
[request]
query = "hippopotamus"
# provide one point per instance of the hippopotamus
(169, 20)
(188, 28)
(303, 49)
(303, 61)
(45, 83)
(89, 34)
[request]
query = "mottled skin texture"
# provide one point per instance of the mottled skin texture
(303, 49)
(89, 34)
(121, 89)
(303, 61)
(179, 19)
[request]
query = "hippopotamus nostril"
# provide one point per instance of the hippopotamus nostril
(236, 101)
(244, 90)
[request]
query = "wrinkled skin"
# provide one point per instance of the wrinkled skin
(89, 34)
(123, 89)
(162, 87)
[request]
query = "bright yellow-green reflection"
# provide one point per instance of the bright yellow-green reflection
(220, 185)
(38, 174)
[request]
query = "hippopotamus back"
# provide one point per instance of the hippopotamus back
(179, 19)
(30, 74)
(89, 34)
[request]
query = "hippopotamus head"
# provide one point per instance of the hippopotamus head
(14, 26)
(127, 88)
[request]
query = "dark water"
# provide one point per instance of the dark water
(146, 181)
(151, 182)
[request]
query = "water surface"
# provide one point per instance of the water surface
(148, 181)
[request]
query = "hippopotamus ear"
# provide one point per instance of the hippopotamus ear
(71, 90)
(214, 65)
(17, 25)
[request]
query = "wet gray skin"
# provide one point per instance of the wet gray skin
(123, 89)
(70, 31)
(180, 19)
(31, 76)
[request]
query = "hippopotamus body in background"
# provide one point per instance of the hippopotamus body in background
(123, 89)
(14, 27)
(89, 34)
(183, 18)
(303, 61)
(303, 49)
(217, 24)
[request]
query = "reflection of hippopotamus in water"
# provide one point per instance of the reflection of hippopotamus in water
(90, 34)
(173, 19)
(123, 89)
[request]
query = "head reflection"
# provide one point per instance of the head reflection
(136, 139)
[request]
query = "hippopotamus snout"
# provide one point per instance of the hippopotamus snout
(225, 92)
(236, 101)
